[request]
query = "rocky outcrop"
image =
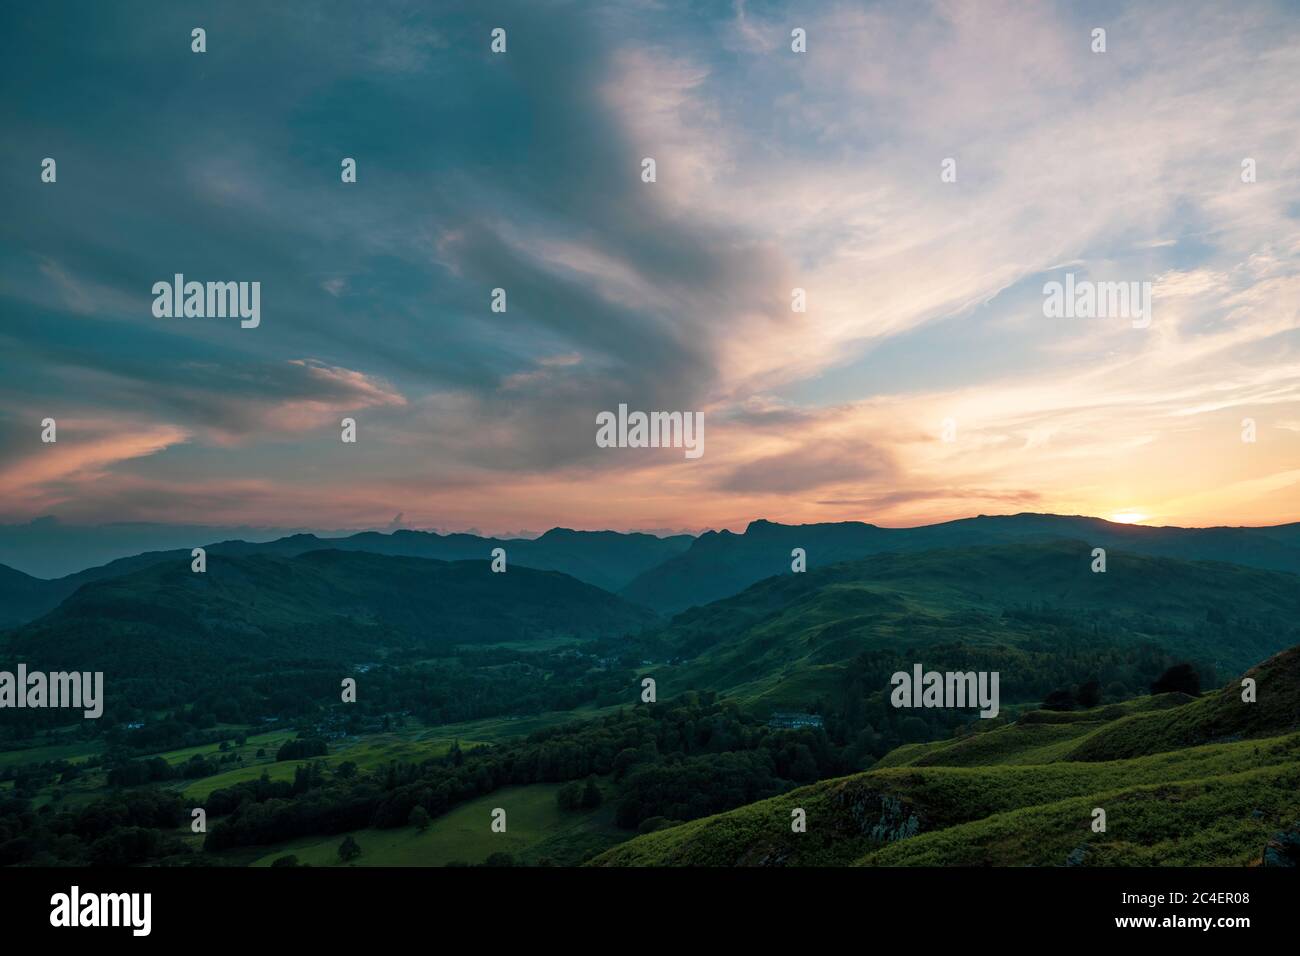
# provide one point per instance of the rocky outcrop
(1283, 848)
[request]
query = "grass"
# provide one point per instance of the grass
(1024, 793)
(367, 753)
(536, 829)
(270, 742)
(1039, 736)
(71, 752)
(1219, 821)
(1223, 715)
(412, 744)
(791, 639)
(842, 813)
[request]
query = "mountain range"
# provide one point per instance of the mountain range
(609, 560)
(718, 564)
(768, 679)
(674, 573)
(317, 605)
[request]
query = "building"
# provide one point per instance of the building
(787, 720)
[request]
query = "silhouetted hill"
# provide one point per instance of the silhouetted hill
(607, 559)
(719, 564)
(674, 573)
(318, 606)
(23, 597)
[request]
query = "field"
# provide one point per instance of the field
(536, 830)
(366, 752)
(72, 752)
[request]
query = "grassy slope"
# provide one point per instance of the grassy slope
(1039, 736)
(1169, 803)
(785, 640)
(1219, 820)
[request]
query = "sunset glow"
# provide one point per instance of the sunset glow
(1128, 517)
(924, 298)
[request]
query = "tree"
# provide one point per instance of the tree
(302, 748)
(913, 729)
(569, 796)
(591, 794)
(419, 818)
(348, 849)
(1181, 678)
(1090, 694)
(1061, 699)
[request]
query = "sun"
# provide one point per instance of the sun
(1128, 517)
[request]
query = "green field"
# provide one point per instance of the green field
(367, 753)
(536, 830)
(496, 729)
(72, 752)
(411, 745)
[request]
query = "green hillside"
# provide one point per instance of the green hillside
(258, 637)
(1034, 612)
(224, 687)
(321, 605)
(1024, 794)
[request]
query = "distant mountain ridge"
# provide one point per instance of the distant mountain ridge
(674, 573)
(720, 564)
(321, 605)
(606, 559)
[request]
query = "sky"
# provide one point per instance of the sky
(923, 382)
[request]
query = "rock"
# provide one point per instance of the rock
(1283, 849)
(883, 817)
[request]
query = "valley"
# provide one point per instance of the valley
(520, 692)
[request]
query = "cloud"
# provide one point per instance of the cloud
(814, 464)
(776, 170)
(42, 475)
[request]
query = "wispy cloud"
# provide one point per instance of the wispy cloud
(776, 170)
